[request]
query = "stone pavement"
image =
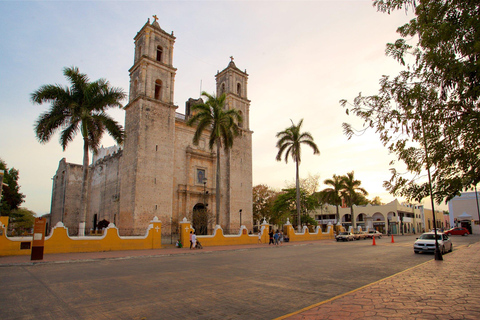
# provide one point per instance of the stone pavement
(448, 289)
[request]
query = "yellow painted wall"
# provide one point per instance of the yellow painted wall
(60, 242)
(219, 239)
(306, 235)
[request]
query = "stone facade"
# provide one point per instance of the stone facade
(160, 172)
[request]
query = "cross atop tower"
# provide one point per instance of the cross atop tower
(231, 58)
(155, 18)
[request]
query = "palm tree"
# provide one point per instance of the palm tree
(79, 108)
(290, 142)
(223, 128)
(352, 192)
(333, 195)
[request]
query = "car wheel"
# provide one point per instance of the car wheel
(465, 234)
(451, 248)
(416, 252)
(443, 250)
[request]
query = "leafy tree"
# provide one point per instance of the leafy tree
(285, 206)
(352, 193)
(429, 114)
(263, 198)
(201, 220)
(79, 108)
(310, 184)
(377, 201)
(290, 141)
(308, 220)
(223, 127)
(12, 198)
(333, 195)
(21, 220)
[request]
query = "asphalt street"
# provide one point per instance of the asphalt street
(259, 282)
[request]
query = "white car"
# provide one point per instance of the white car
(426, 243)
(374, 233)
(345, 236)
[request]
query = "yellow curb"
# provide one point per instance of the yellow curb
(347, 293)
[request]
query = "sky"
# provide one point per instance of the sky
(302, 58)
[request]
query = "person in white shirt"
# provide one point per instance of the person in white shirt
(194, 240)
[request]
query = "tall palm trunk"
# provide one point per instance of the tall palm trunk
(338, 215)
(83, 199)
(217, 188)
(297, 185)
(353, 216)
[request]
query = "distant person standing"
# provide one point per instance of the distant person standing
(275, 237)
(260, 236)
(191, 234)
(270, 237)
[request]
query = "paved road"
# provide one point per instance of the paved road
(256, 282)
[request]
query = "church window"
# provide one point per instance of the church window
(158, 89)
(239, 89)
(159, 53)
(222, 89)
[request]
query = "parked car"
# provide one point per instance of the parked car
(426, 243)
(457, 232)
(360, 235)
(345, 236)
(375, 233)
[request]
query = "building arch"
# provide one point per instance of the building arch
(360, 221)
(200, 219)
(239, 89)
(159, 53)
(378, 220)
(347, 219)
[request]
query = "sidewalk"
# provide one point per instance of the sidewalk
(448, 289)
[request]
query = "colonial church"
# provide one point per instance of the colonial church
(159, 171)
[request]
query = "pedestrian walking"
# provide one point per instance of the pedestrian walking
(275, 237)
(191, 234)
(270, 237)
(194, 240)
(280, 237)
(260, 236)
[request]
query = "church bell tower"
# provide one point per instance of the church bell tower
(238, 161)
(148, 157)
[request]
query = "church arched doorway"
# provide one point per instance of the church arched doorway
(200, 219)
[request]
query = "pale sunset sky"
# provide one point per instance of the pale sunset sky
(302, 57)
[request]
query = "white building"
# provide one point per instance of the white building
(464, 211)
(392, 217)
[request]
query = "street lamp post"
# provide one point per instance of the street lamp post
(240, 217)
(205, 193)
